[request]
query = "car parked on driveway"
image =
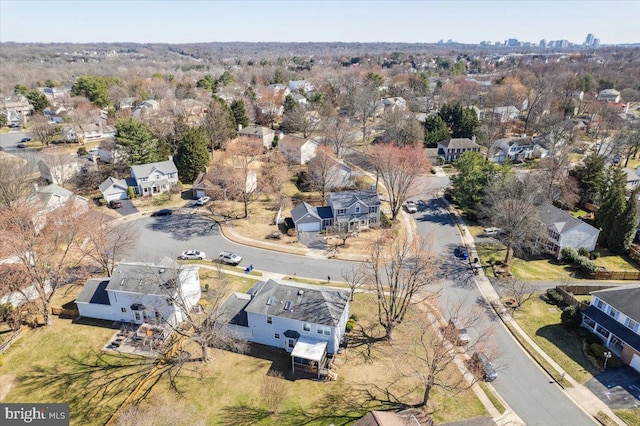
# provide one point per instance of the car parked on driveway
(115, 204)
(192, 255)
(202, 201)
(411, 207)
(21, 145)
(229, 258)
(27, 139)
(162, 212)
(490, 232)
(462, 252)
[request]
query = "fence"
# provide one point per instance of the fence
(65, 312)
(582, 289)
(12, 338)
(634, 253)
(617, 275)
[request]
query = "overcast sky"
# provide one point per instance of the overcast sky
(364, 21)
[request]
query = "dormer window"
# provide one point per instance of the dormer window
(357, 209)
(287, 305)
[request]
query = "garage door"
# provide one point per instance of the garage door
(309, 227)
(635, 362)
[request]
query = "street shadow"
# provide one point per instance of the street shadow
(183, 227)
(432, 211)
(487, 308)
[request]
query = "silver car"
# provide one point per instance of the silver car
(192, 255)
(229, 258)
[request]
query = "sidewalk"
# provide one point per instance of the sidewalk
(578, 393)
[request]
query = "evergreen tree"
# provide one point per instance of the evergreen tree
(435, 130)
(239, 113)
(462, 122)
(138, 141)
(474, 172)
(193, 154)
(37, 99)
(289, 103)
(591, 177)
(625, 229)
(610, 212)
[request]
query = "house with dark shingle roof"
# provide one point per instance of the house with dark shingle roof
(155, 178)
(614, 316)
(308, 321)
(264, 134)
(453, 148)
(564, 230)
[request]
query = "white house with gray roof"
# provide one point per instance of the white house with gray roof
(307, 321)
(564, 230)
(155, 178)
(116, 189)
(264, 134)
(140, 292)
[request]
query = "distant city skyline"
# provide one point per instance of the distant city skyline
(164, 21)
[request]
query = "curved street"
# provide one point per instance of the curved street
(525, 387)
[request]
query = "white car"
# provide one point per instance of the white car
(192, 255)
(492, 231)
(411, 207)
(202, 201)
(229, 258)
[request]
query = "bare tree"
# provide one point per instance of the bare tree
(536, 100)
(400, 169)
(355, 277)
(219, 124)
(44, 245)
(338, 134)
(42, 130)
(299, 120)
(402, 129)
(404, 273)
(520, 291)
(323, 171)
(16, 177)
(361, 103)
(107, 243)
(509, 203)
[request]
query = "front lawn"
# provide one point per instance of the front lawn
(542, 323)
(615, 262)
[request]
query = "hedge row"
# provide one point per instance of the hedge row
(583, 263)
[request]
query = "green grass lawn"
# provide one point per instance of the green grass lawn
(542, 323)
(630, 416)
(615, 262)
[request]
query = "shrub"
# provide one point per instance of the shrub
(350, 324)
(583, 252)
(102, 202)
(599, 350)
(82, 151)
(385, 222)
(554, 296)
(131, 192)
(571, 317)
(354, 317)
(591, 338)
(594, 255)
(569, 254)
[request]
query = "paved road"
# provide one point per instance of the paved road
(523, 385)
(171, 235)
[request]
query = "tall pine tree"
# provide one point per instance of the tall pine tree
(239, 113)
(193, 154)
(138, 141)
(625, 229)
(610, 211)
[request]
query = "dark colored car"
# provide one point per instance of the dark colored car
(25, 139)
(115, 204)
(163, 212)
(462, 252)
(21, 145)
(481, 366)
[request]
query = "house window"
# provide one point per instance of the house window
(324, 330)
(269, 320)
(306, 326)
(341, 211)
(137, 315)
(591, 323)
(123, 309)
(169, 301)
(277, 335)
(373, 209)
(357, 209)
(599, 304)
(613, 312)
(632, 324)
(602, 331)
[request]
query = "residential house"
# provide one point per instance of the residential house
(205, 184)
(126, 103)
(155, 178)
(110, 152)
(15, 289)
(299, 99)
(17, 109)
(452, 149)
(609, 95)
(55, 94)
(335, 174)
(264, 134)
(308, 321)
(302, 85)
(349, 210)
(50, 197)
(514, 149)
(280, 89)
(59, 169)
(143, 107)
(561, 230)
(116, 189)
(88, 132)
(633, 178)
(297, 150)
(506, 114)
(614, 316)
(140, 292)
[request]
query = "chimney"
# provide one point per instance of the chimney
(473, 138)
(239, 126)
(35, 185)
(171, 158)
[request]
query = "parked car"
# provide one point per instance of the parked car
(411, 207)
(229, 258)
(456, 332)
(192, 255)
(481, 366)
(115, 204)
(27, 139)
(21, 145)
(490, 232)
(202, 201)
(162, 212)
(461, 251)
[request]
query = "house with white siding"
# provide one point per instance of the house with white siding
(297, 150)
(308, 321)
(140, 292)
(564, 230)
(614, 316)
(155, 178)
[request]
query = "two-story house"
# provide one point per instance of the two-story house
(348, 210)
(297, 150)
(307, 321)
(514, 149)
(609, 95)
(155, 178)
(140, 292)
(614, 316)
(563, 230)
(264, 134)
(302, 85)
(453, 148)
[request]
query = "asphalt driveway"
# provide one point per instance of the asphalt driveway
(312, 240)
(618, 387)
(127, 208)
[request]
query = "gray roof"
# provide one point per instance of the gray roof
(113, 181)
(144, 170)
(343, 200)
(459, 143)
(94, 291)
(309, 303)
(232, 310)
(559, 220)
(147, 278)
(303, 209)
(625, 299)
(256, 131)
(621, 331)
(45, 192)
